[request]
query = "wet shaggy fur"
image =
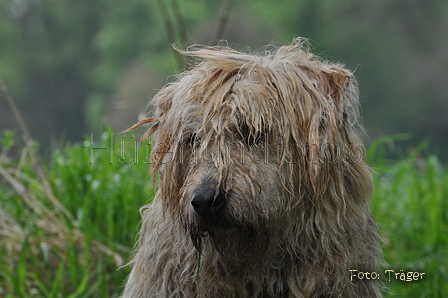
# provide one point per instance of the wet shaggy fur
(268, 142)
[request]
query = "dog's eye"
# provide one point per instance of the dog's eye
(250, 137)
(193, 140)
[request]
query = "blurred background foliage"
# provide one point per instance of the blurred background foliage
(75, 66)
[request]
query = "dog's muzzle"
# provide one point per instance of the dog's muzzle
(208, 203)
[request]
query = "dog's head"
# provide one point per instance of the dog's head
(248, 144)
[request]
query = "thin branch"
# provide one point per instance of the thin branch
(169, 29)
(180, 22)
(15, 111)
(223, 19)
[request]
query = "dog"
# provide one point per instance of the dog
(263, 187)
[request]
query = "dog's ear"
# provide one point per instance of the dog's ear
(333, 145)
(341, 93)
(164, 101)
(337, 82)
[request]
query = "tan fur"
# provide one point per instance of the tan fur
(275, 133)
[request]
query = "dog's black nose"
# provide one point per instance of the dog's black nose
(206, 203)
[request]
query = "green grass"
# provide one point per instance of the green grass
(68, 238)
(410, 205)
(67, 225)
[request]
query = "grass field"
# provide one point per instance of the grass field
(67, 225)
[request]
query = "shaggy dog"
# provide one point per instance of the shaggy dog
(263, 186)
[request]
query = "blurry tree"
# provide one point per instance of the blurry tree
(48, 51)
(68, 62)
(61, 59)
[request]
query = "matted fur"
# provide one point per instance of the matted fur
(275, 135)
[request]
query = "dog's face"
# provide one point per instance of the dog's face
(245, 143)
(224, 147)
